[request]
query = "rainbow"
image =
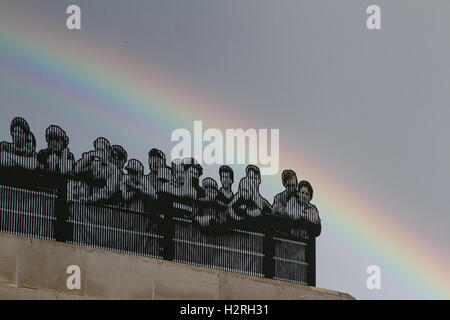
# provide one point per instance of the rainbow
(98, 79)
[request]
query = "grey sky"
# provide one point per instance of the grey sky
(372, 104)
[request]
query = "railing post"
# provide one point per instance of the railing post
(269, 253)
(168, 230)
(63, 230)
(311, 260)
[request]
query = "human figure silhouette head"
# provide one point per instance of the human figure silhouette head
(156, 160)
(247, 189)
(135, 171)
(193, 167)
(118, 156)
(30, 144)
(102, 149)
(253, 172)
(226, 176)
(178, 172)
(289, 179)
(305, 191)
(210, 187)
(56, 138)
(19, 130)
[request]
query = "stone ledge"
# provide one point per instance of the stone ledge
(35, 269)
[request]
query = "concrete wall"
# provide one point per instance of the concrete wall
(36, 269)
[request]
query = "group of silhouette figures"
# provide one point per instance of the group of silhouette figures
(104, 175)
(106, 200)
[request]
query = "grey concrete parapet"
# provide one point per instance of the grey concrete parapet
(36, 269)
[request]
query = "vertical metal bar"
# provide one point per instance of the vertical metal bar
(63, 230)
(169, 233)
(269, 253)
(311, 260)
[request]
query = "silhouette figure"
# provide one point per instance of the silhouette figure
(300, 208)
(57, 156)
(289, 179)
(21, 153)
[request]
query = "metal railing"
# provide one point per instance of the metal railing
(36, 205)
